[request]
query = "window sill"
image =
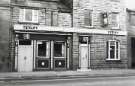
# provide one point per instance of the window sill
(115, 28)
(29, 23)
(91, 27)
(113, 60)
(59, 57)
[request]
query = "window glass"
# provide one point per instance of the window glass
(88, 18)
(113, 50)
(42, 49)
(115, 20)
(132, 19)
(54, 18)
(59, 49)
(104, 19)
(83, 40)
(28, 14)
(24, 42)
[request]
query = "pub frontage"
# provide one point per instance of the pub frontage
(39, 50)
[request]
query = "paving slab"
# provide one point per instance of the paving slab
(45, 75)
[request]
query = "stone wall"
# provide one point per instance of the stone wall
(61, 19)
(98, 52)
(97, 7)
(4, 38)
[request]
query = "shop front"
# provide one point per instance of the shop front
(42, 51)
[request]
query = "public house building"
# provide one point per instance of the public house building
(50, 35)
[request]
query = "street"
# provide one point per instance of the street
(100, 81)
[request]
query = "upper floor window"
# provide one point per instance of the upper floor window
(115, 20)
(104, 19)
(88, 18)
(28, 15)
(132, 19)
(115, 0)
(113, 48)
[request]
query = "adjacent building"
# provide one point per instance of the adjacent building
(66, 35)
(4, 35)
(131, 37)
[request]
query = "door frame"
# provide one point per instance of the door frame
(60, 58)
(17, 56)
(88, 45)
(51, 55)
(42, 57)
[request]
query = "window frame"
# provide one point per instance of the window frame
(47, 49)
(117, 50)
(130, 19)
(22, 15)
(117, 21)
(63, 49)
(104, 20)
(90, 12)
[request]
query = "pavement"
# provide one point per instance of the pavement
(48, 75)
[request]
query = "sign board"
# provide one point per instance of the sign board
(18, 27)
(30, 27)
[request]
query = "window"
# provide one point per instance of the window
(132, 19)
(104, 19)
(59, 49)
(113, 50)
(115, 20)
(28, 15)
(88, 18)
(54, 18)
(83, 39)
(43, 49)
(24, 42)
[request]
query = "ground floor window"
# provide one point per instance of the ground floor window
(43, 49)
(113, 48)
(59, 49)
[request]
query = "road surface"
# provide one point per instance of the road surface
(99, 81)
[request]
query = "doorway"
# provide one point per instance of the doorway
(84, 52)
(25, 56)
(51, 55)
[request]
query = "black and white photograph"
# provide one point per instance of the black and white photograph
(67, 43)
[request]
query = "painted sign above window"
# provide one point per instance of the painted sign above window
(28, 15)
